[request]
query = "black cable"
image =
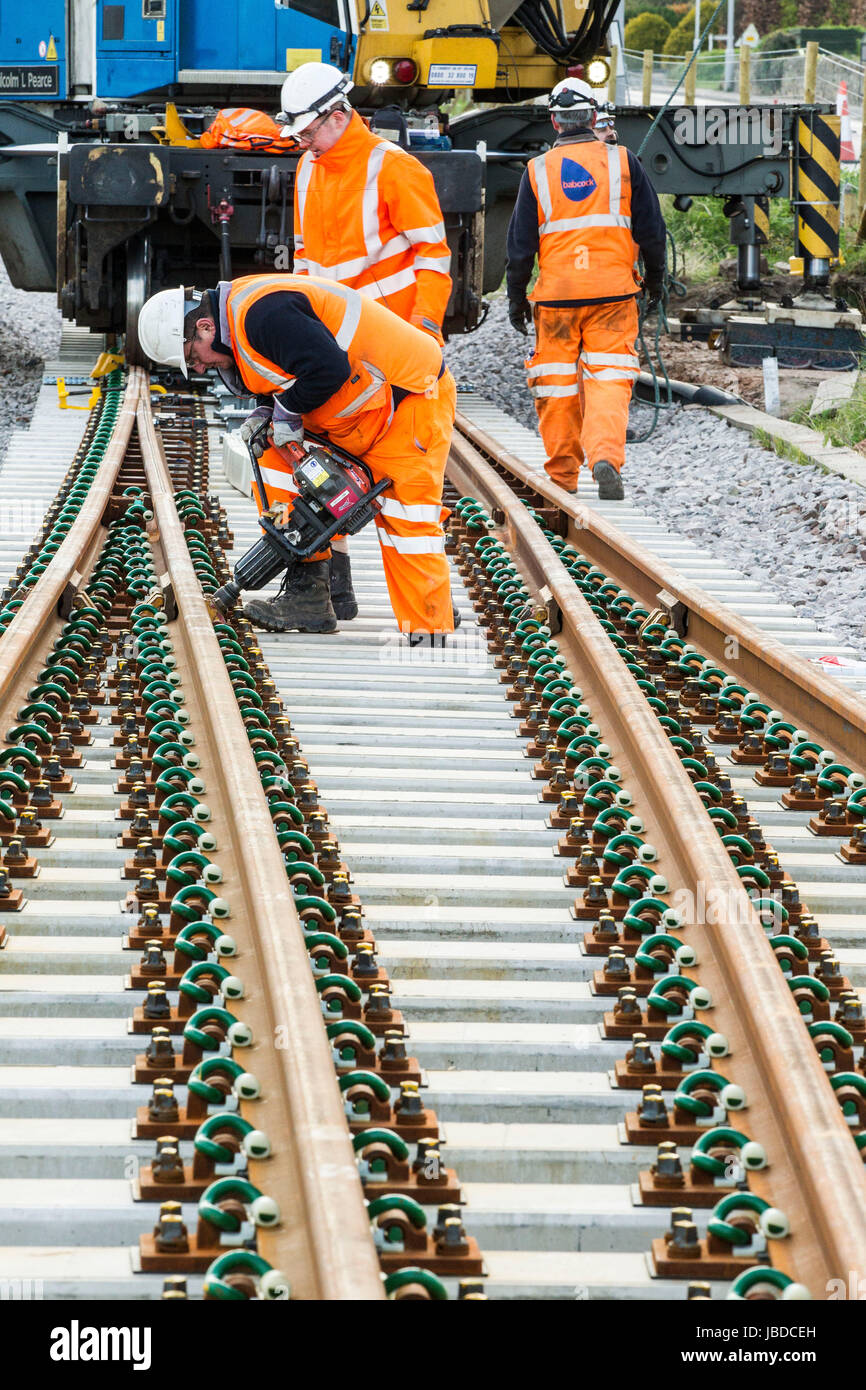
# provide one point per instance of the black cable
(733, 169)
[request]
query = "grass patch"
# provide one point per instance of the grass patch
(846, 426)
(783, 450)
(702, 233)
(702, 236)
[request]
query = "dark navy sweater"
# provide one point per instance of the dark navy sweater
(647, 229)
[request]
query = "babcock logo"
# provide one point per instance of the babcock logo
(577, 182)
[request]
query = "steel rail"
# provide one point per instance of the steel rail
(815, 1173)
(36, 623)
(784, 680)
(323, 1244)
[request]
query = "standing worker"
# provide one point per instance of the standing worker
(604, 124)
(585, 209)
(367, 216)
(330, 360)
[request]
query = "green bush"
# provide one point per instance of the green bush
(633, 8)
(835, 38)
(778, 39)
(647, 31)
(681, 39)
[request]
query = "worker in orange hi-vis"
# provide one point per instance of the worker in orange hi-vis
(324, 357)
(586, 209)
(367, 216)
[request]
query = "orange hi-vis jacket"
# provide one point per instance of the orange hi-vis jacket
(585, 245)
(383, 351)
(367, 215)
(244, 128)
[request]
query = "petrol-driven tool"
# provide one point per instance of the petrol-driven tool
(337, 495)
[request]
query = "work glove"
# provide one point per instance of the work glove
(428, 325)
(286, 427)
(519, 314)
(653, 287)
(260, 416)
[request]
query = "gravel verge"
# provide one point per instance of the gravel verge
(29, 332)
(788, 526)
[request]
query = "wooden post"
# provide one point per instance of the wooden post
(861, 192)
(611, 81)
(745, 84)
(850, 207)
(811, 79)
(648, 78)
(689, 85)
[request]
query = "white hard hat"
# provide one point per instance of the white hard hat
(572, 94)
(310, 91)
(160, 325)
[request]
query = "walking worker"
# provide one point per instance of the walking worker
(367, 216)
(330, 360)
(584, 208)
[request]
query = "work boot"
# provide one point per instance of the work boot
(342, 593)
(434, 639)
(609, 482)
(302, 605)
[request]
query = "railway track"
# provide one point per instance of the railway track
(514, 997)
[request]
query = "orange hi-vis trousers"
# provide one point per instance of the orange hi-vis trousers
(412, 451)
(581, 375)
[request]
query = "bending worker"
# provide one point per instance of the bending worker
(584, 208)
(337, 363)
(367, 216)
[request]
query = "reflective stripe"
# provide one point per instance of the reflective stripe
(552, 369)
(419, 234)
(390, 284)
(611, 359)
(261, 369)
(347, 270)
(441, 264)
(300, 266)
(610, 374)
(370, 200)
(302, 183)
(241, 115)
(614, 173)
(555, 390)
(543, 188)
(417, 512)
(352, 316)
(575, 224)
(412, 545)
(375, 385)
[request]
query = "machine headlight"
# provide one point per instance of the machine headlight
(380, 71)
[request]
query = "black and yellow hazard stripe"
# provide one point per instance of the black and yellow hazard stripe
(762, 221)
(818, 186)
